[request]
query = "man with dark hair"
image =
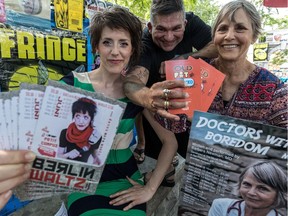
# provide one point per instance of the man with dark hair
(170, 33)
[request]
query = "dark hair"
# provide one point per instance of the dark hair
(83, 105)
(271, 174)
(117, 17)
(165, 7)
(229, 10)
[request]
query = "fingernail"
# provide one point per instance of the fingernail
(186, 95)
(8, 194)
(30, 156)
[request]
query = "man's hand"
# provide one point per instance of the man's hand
(15, 168)
(162, 94)
(154, 99)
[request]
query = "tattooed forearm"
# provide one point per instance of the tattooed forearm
(142, 73)
(134, 85)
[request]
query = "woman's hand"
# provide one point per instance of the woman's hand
(135, 195)
(15, 168)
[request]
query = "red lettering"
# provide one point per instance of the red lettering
(80, 183)
(36, 175)
(69, 178)
(50, 177)
(58, 180)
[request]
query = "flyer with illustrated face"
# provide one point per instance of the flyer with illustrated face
(73, 112)
(72, 138)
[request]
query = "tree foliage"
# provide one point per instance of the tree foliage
(141, 8)
(268, 16)
(269, 20)
(207, 10)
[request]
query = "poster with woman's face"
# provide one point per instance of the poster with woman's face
(234, 166)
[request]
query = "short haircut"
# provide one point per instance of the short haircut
(117, 17)
(269, 173)
(83, 105)
(229, 10)
(166, 7)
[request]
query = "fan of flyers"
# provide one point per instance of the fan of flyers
(202, 83)
(44, 119)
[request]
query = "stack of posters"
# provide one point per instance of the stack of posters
(70, 130)
(220, 149)
(202, 83)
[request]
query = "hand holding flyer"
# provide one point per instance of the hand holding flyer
(70, 130)
(188, 71)
(202, 83)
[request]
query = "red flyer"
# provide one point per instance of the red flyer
(211, 81)
(202, 83)
(188, 71)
